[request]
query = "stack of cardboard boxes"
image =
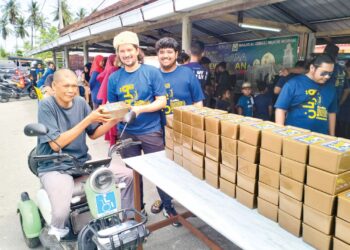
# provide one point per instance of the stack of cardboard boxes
(296, 174)
(341, 241)
(220, 137)
(328, 174)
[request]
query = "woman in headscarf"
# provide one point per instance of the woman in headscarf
(96, 69)
(86, 72)
(111, 66)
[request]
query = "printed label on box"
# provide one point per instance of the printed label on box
(309, 139)
(287, 132)
(262, 126)
(240, 120)
(339, 146)
(225, 116)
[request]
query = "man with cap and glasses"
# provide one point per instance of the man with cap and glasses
(141, 86)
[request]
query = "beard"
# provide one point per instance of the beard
(168, 67)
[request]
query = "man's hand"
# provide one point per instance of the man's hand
(97, 116)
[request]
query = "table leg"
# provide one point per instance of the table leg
(137, 198)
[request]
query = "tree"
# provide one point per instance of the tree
(48, 35)
(81, 14)
(66, 14)
(3, 53)
(20, 30)
(11, 11)
(33, 19)
(4, 28)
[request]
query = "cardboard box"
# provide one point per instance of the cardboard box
(187, 142)
(186, 130)
(272, 139)
(187, 115)
(228, 188)
(198, 147)
(230, 128)
(211, 179)
(316, 238)
(177, 148)
(250, 132)
(293, 169)
(245, 198)
(228, 173)
(212, 153)
(342, 230)
(212, 123)
(297, 147)
(343, 210)
(248, 152)
(229, 160)
(340, 245)
(115, 109)
(211, 166)
(291, 206)
(177, 137)
(267, 209)
(187, 153)
(168, 132)
(177, 126)
(198, 116)
(178, 159)
(269, 177)
(229, 145)
(327, 182)
(247, 168)
(320, 201)
(197, 171)
(178, 111)
(268, 193)
(332, 156)
(198, 134)
(247, 183)
(212, 139)
(169, 120)
(289, 223)
(169, 143)
(270, 160)
(169, 153)
(187, 164)
(320, 221)
(292, 188)
(197, 159)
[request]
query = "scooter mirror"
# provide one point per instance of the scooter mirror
(130, 117)
(35, 129)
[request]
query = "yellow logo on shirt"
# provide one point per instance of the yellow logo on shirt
(314, 107)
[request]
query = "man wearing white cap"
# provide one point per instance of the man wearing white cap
(141, 86)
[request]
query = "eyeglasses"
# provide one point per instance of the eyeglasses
(326, 73)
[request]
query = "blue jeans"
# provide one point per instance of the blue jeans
(152, 142)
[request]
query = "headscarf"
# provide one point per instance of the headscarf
(104, 76)
(96, 64)
(87, 74)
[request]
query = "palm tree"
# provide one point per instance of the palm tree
(20, 29)
(4, 29)
(33, 19)
(81, 14)
(66, 14)
(11, 11)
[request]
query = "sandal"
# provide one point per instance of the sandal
(157, 207)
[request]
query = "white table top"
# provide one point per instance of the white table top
(243, 226)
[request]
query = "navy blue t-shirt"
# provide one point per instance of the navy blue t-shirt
(338, 79)
(284, 79)
(307, 103)
(182, 88)
(262, 103)
(247, 105)
(201, 73)
(344, 110)
(138, 88)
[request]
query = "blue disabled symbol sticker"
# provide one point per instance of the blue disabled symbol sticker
(106, 203)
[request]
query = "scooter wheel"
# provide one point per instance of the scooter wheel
(4, 99)
(30, 242)
(32, 94)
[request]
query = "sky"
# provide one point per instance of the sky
(47, 7)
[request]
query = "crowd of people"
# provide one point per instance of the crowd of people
(308, 97)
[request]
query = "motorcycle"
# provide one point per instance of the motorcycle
(96, 220)
(17, 88)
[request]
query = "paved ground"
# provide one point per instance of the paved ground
(16, 178)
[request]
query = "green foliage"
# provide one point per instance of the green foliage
(12, 11)
(3, 53)
(66, 14)
(19, 52)
(48, 35)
